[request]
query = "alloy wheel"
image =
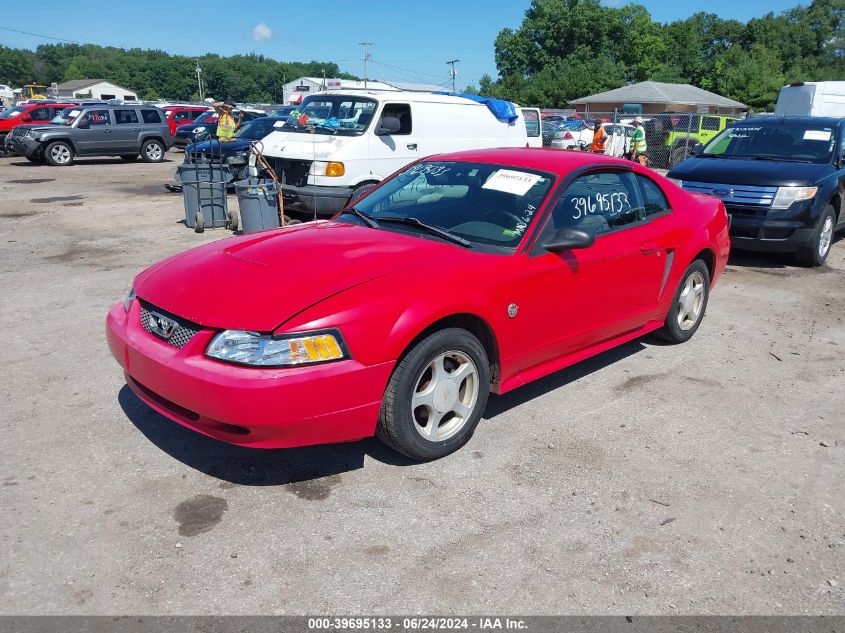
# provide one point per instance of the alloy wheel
(445, 396)
(691, 301)
(60, 154)
(153, 151)
(826, 236)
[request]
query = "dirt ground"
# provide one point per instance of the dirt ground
(704, 478)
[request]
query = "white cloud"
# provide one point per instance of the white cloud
(262, 32)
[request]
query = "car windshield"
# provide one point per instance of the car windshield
(489, 205)
(775, 140)
(12, 113)
(206, 117)
(258, 128)
(332, 114)
(66, 116)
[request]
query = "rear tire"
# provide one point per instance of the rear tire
(436, 396)
(152, 151)
(58, 154)
(814, 251)
(679, 155)
(688, 305)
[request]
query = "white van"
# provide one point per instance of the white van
(344, 143)
(812, 98)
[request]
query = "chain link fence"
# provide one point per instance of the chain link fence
(671, 137)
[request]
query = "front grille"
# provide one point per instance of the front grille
(751, 195)
(182, 333)
(292, 172)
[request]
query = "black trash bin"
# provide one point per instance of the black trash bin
(258, 200)
(204, 195)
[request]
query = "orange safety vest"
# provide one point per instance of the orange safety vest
(599, 137)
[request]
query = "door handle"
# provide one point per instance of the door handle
(411, 146)
(649, 248)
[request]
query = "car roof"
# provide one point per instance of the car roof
(556, 161)
(806, 120)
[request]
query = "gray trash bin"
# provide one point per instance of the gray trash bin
(204, 195)
(258, 204)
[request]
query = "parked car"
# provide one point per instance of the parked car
(459, 275)
(812, 98)
(234, 153)
(781, 179)
(572, 135)
(205, 126)
(124, 131)
(284, 111)
(34, 113)
(673, 137)
(180, 115)
(549, 128)
(360, 138)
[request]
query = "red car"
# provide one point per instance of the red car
(28, 113)
(461, 274)
(181, 115)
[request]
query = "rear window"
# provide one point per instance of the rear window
(151, 116)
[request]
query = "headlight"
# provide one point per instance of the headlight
(127, 303)
(237, 159)
(787, 195)
(199, 130)
(324, 168)
(28, 134)
(263, 350)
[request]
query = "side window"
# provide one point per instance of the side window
(401, 111)
(98, 117)
(123, 117)
(532, 122)
(711, 123)
(599, 202)
(653, 199)
(40, 114)
(151, 116)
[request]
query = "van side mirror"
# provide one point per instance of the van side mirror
(388, 125)
(83, 124)
(566, 239)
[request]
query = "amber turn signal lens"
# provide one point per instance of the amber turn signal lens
(335, 169)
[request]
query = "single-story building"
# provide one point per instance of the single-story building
(94, 89)
(652, 97)
(294, 91)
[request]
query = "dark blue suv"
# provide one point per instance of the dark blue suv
(782, 181)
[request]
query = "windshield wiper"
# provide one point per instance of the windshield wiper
(364, 217)
(436, 230)
(780, 159)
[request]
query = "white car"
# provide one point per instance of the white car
(618, 138)
(572, 135)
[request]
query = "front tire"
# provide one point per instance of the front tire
(359, 191)
(59, 154)
(814, 251)
(688, 305)
(436, 396)
(152, 151)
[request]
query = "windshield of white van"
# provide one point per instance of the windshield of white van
(332, 114)
(779, 139)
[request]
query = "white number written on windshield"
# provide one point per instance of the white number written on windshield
(611, 203)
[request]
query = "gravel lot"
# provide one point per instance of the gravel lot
(705, 478)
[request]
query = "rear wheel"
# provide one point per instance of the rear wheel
(814, 251)
(152, 151)
(688, 304)
(436, 395)
(679, 155)
(59, 154)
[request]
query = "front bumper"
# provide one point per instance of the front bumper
(765, 235)
(22, 146)
(325, 201)
(260, 408)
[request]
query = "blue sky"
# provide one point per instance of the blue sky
(414, 39)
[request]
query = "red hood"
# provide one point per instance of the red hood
(257, 282)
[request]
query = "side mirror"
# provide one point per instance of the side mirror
(566, 239)
(696, 149)
(388, 125)
(26, 118)
(83, 124)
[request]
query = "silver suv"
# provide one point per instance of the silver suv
(95, 130)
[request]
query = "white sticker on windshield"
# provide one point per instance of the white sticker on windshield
(817, 135)
(74, 113)
(509, 181)
(279, 123)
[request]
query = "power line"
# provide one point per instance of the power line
(46, 37)
(366, 46)
(453, 73)
(407, 70)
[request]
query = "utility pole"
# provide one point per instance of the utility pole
(453, 72)
(199, 80)
(366, 46)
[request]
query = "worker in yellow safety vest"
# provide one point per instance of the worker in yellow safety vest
(226, 124)
(638, 145)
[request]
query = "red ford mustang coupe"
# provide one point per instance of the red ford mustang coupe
(460, 275)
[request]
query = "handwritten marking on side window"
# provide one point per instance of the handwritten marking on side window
(611, 203)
